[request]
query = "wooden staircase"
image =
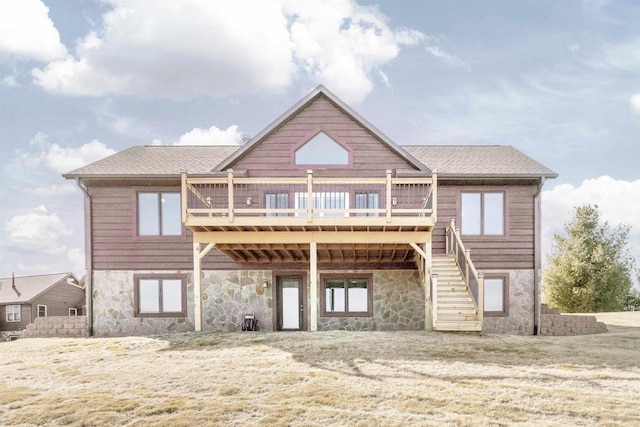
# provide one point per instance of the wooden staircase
(455, 308)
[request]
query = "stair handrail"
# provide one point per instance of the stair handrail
(472, 279)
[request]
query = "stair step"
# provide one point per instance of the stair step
(468, 326)
(449, 312)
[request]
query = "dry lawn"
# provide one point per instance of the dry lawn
(333, 378)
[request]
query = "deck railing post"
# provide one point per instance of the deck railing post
(230, 193)
(467, 257)
(183, 196)
(309, 195)
(434, 196)
(388, 195)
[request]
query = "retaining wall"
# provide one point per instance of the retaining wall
(554, 323)
(57, 326)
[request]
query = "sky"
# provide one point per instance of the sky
(559, 80)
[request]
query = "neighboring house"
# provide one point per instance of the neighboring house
(22, 299)
(319, 222)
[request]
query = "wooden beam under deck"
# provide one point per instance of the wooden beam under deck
(306, 237)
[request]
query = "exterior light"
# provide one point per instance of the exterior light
(394, 201)
(265, 283)
(248, 200)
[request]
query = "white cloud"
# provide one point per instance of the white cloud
(10, 81)
(26, 32)
(147, 49)
(61, 160)
(211, 136)
(36, 230)
(618, 201)
(342, 43)
(635, 104)
(448, 58)
(51, 191)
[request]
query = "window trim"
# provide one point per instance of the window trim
(38, 310)
(309, 136)
(19, 313)
(136, 215)
(505, 294)
(505, 213)
(347, 276)
(159, 277)
(75, 312)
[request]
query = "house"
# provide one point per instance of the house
(319, 222)
(23, 299)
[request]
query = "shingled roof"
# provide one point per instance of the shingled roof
(29, 287)
(449, 161)
(156, 160)
(478, 160)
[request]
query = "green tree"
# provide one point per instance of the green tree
(590, 267)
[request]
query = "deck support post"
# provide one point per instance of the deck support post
(313, 285)
(428, 301)
(197, 288)
(198, 255)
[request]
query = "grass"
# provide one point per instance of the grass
(327, 378)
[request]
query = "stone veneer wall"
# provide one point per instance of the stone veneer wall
(521, 305)
(226, 297)
(398, 305)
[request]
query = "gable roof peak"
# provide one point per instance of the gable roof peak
(297, 107)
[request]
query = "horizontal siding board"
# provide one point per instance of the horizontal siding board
(514, 251)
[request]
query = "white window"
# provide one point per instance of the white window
(324, 201)
(495, 296)
(159, 214)
(321, 150)
(42, 310)
(160, 296)
(13, 313)
(483, 214)
(73, 311)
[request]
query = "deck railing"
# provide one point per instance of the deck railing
(473, 279)
(228, 197)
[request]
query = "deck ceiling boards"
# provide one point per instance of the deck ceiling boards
(327, 253)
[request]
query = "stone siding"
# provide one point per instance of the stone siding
(57, 326)
(226, 297)
(520, 320)
(556, 324)
(398, 305)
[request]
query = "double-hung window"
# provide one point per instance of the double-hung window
(160, 296)
(42, 310)
(346, 295)
(367, 200)
(159, 214)
(483, 213)
(13, 313)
